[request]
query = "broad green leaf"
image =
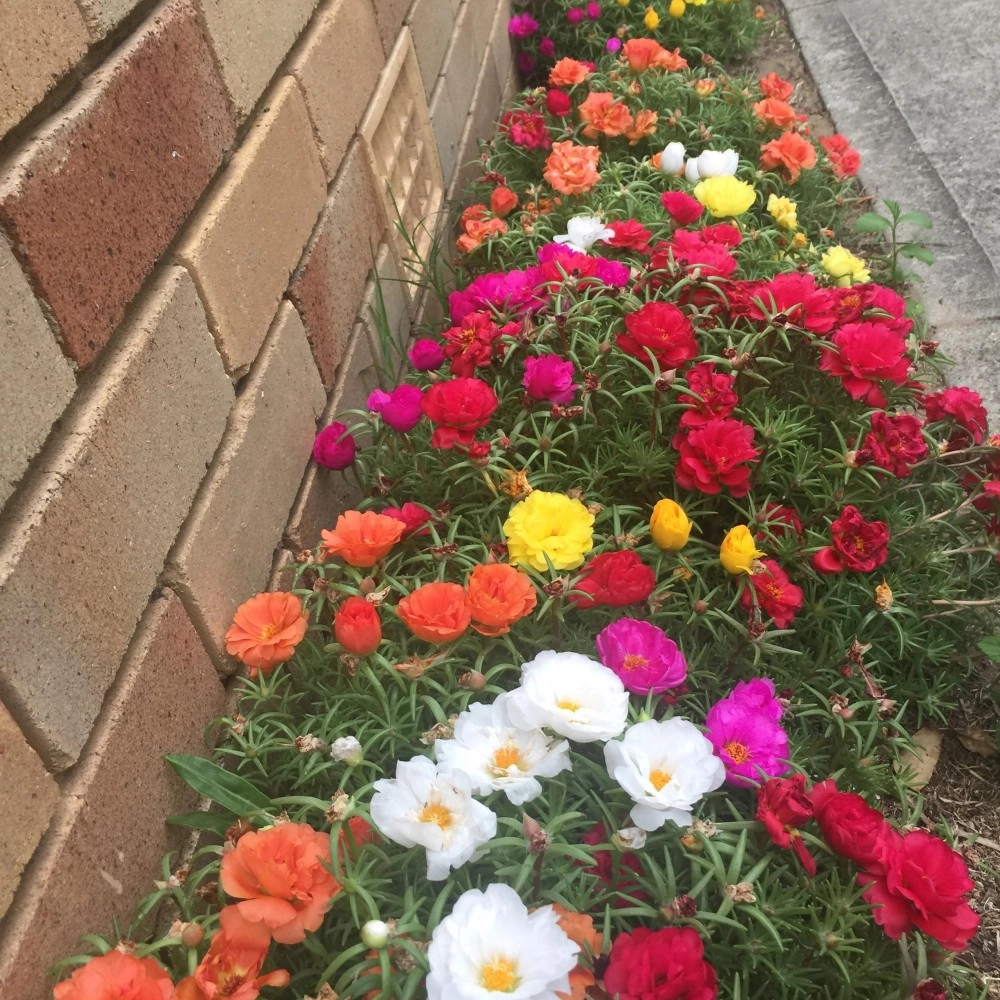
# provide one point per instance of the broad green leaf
(916, 252)
(230, 790)
(991, 647)
(917, 219)
(871, 222)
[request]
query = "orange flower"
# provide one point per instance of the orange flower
(572, 169)
(356, 626)
(498, 596)
(604, 115)
(641, 53)
(579, 928)
(265, 631)
(791, 152)
(773, 86)
(771, 111)
(231, 966)
(114, 975)
(671, 60)
(645, 125)
(280, 875)
(568, 73)
(362, 539)
(503, 201)
(437, 612)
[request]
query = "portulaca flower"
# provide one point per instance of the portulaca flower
(434, 809)
(498, 756)
(491, 945)
(672, 158)
(666, 767)
(572, 695)
(583, 231)
(712, 163)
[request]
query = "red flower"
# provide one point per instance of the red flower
(775, 593)
(706, 250)
(558, 103)
(356, 626)
(681, 207)
(615, 579)
(866, 353)
(459, 406)
(715, 398)
(667, 964)
(662, 329)
(851, 827)
(962, 405)
(630, 235)
(527, 129)
(777, 521)
(844, 158)
(929, 989)
(789, 299)
(858, 545)
(894, 443)
(716, 455)
(923, 885)
(470, 345)
(783, 806)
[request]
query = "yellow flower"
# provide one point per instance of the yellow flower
(782, 210)
(652, 19)
(549, 525)
(669, 525)
(724, 196)
(697, 3)
(624, 3)
(676, 8)
(800, 241)
(738, 550)
(844, 267)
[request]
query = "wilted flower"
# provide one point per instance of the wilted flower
(347, 750)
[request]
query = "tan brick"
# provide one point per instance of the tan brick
(501, 51)
(431, 24)
(81, 562)
(329, 284)
(336, 83)
(449, 120)
(390, 14)
(36, 381)
(38, 43)
(248, 237)
(224, 551)
(105, 847)
(251, 38)
(29, 794)
(103, 15)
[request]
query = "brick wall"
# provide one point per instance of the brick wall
(192, 197)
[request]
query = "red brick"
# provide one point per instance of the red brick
(106, 843)
(328, 286)
(96, 197)
(79, 564)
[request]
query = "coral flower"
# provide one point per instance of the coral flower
(265, 631)
(361, 539)
(772, 85)
(280, 874)
(774, 112)
(644, 126)
(116, 976)
(498, 595)
(549, 528)
(356, 626)
(603, 115)
(436, 612)
(572, 169)
(791, 153)
(568, 73)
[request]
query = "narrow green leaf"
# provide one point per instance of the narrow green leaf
(215, 822)
(230, 790)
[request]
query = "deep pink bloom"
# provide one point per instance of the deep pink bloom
(715, 389)
(559, 261)
(426, 355)
(961, 404)
(547, 48)
(400, 409)
(664, 964)
(558, 103)
(334, 447)
(575, 15)
(526, 63)
(613, 44)
(642, 656)
(687, 251)
(511, 291)
(593, 10)
(413, 516)
(866, 354)
(682, 208)
(759, 695)
(522, 26)
(526, 128)
(895, 444)
(550, 378)
(747, 738)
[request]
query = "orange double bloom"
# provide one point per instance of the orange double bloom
(265, 631)
(361, 539)
(789, 152)
(572, 169)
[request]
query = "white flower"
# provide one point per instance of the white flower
(631, 838)
(712, 163)
(672, 158)
(498, 756)
(572, 695)
(435, 810)
(347, 750)
(666, 767)
(583, 231)
(490, 945)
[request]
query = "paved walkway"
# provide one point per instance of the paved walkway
(915, 85)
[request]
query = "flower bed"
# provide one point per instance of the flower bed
(671, 535)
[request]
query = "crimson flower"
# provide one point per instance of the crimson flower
(459, 406)
(716, 455)
(866, 354)
(858, 545)
(776, 595)
(613, 579)
(783, 806)
(660, 329)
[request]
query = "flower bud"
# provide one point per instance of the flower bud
(669, 525)
(700, 607)
(192, 935)
(631, 838)
(473, 680)
(738, 550)
(375, 934)
(347, 750)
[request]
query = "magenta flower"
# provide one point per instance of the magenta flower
(575, 15)
(400, 409)
(334, 447)
(758, 694)
(426, 355)
(642, 656)
(522, 26)
(550, 378)
(747, 738)
(547, 48)
(525, 63)
(613, 44)
(593, 10)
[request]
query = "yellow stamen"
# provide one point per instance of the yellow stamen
(568, 706)
(437, 814)
(659, 778)
(499, 975)
(268, 632)
(507, 756)
(633, 660)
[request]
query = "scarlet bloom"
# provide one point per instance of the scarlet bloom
(558, 103)
(866, 354)
(503, 201)
(361, 539)
(772, 85)
(895, 444)
(858, 545)
(714, 397)
(783, 806)
(436, 612)
(851, 827)
(776, 595)
(526, 129)
(845, 160)
(572, 169)
(265, 631)
(603, 115)
(459, 407)
(660, 329)
(629, 235)
(961, 404)
(789, 152)
(681, 207)
(775, 112)
(613, 579)
(356, 626)
(792, 299)
(115, 976)
(470, 344)
(716, 455)
(666, 964)
(498, 595)
(568, 72)
(280, 875)
(923, 884)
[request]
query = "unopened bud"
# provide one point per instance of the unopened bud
(367, 585)
(665, 380)
(375, 934)
(347, 750)
(192, 935)
(474, 680)
(538, 839)
(700, 607)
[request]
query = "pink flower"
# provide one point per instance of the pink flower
(426, 355)
(575, 15)
(413, 516)
(642, 656)
(715, 398)
(682, 208)
(593, 10)
(550, 378)
(547, 48)
(746, 734)
(759, 695)
(400, 409)
(961, 404)
(522, 26)
(334, 447)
